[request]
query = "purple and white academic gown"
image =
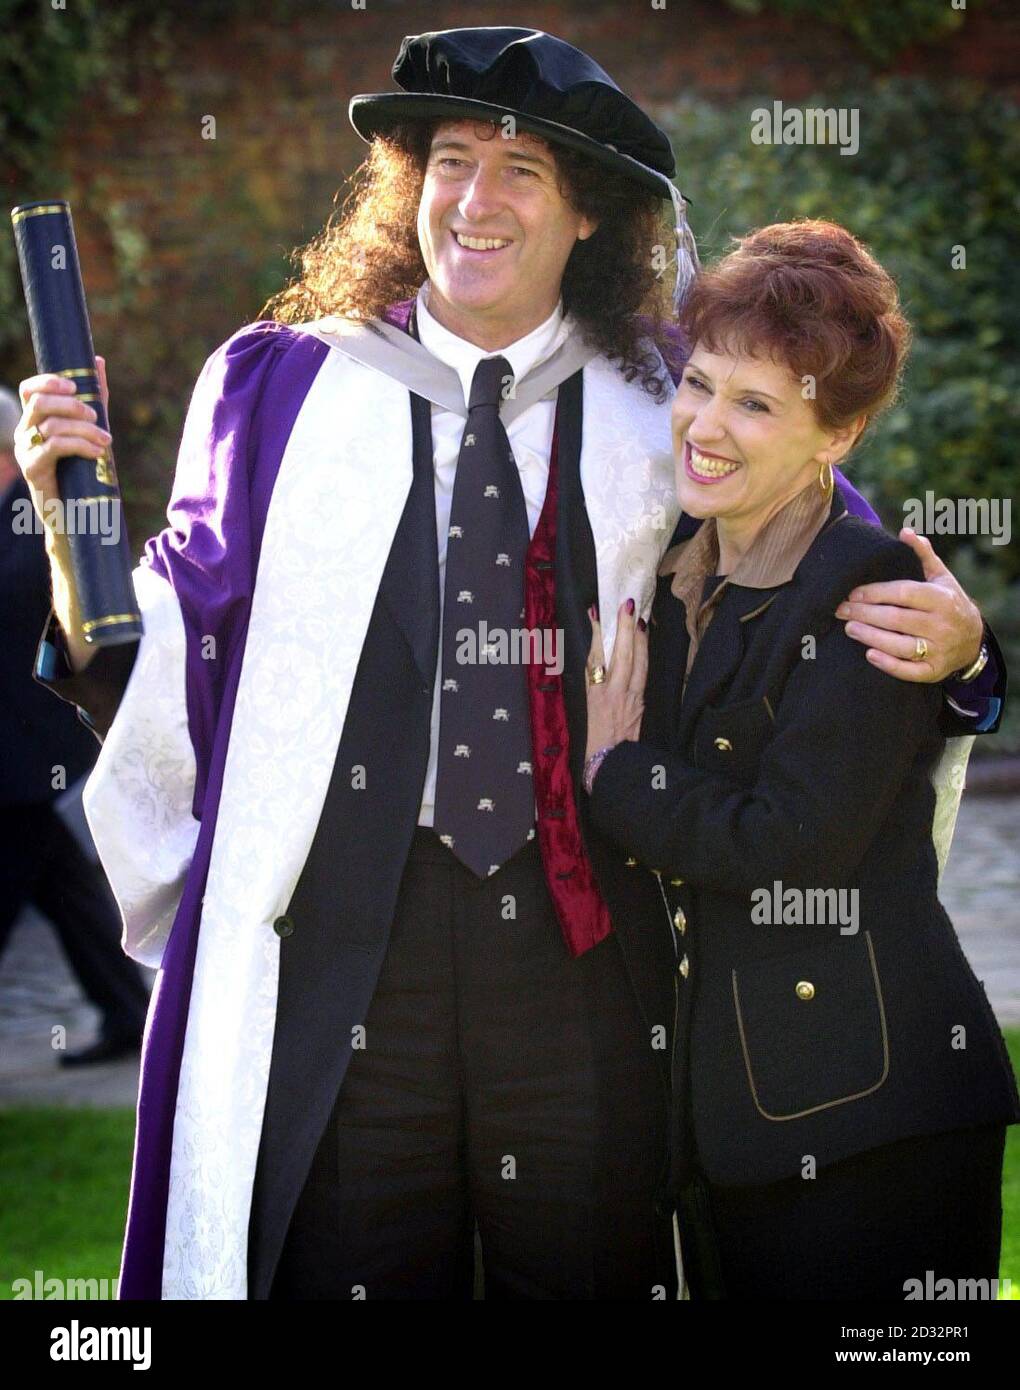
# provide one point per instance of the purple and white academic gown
(294, 466)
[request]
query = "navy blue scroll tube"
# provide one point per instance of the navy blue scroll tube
(92, 511)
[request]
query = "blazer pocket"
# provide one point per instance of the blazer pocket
(812, 1028)
(731, 739)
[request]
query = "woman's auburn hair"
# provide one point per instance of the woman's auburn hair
(367, 257)
(810, 295)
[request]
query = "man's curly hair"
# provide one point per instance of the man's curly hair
(367, 256)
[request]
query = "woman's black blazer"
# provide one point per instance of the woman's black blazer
(793, 763)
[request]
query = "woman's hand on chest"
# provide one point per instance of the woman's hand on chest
(616, 692)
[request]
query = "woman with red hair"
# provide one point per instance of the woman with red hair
(841, 1087)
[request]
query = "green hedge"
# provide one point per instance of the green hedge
(935, 169)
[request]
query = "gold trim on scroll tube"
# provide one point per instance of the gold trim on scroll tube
(19, 213)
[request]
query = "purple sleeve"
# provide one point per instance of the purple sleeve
(856, 505)
(977, 707)
(207, 551)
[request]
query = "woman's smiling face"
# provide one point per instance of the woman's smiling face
(745, 437)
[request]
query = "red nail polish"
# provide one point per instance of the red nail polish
(630, 605)
(642, 624)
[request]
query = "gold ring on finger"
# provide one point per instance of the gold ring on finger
(598, 675)
(35, 439)
(920, 649)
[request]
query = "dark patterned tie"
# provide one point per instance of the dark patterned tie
(485, 797)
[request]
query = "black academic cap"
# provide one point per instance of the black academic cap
(547, 86)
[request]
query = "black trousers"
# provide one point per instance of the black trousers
(42, 863)
(860, 1229)
(502, 1083)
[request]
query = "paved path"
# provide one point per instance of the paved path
(981, 891)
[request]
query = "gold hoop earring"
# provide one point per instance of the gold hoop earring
(826, 480)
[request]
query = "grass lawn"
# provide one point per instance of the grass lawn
(64, 1178)
(1009, 1263)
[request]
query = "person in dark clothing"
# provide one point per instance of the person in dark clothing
(47, 751)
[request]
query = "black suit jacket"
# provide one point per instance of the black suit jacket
(807, 768)
(40, 733)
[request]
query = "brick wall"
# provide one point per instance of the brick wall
(182, 238)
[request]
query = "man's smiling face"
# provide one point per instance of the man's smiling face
(495, 231)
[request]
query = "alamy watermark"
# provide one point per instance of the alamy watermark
(80, 1342)
(790, 125)
(807, 907)
(40, 1286)
(516, 646)
(960, 516)
(80, 516)
(933, 1290)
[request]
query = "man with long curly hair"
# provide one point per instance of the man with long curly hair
(393, 1010)
(377, 253)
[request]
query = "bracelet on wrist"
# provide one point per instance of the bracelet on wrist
(971, 672)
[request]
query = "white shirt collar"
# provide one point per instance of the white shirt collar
(464, 357)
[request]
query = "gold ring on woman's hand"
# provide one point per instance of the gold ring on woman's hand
(598, 674)
(35, 439)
